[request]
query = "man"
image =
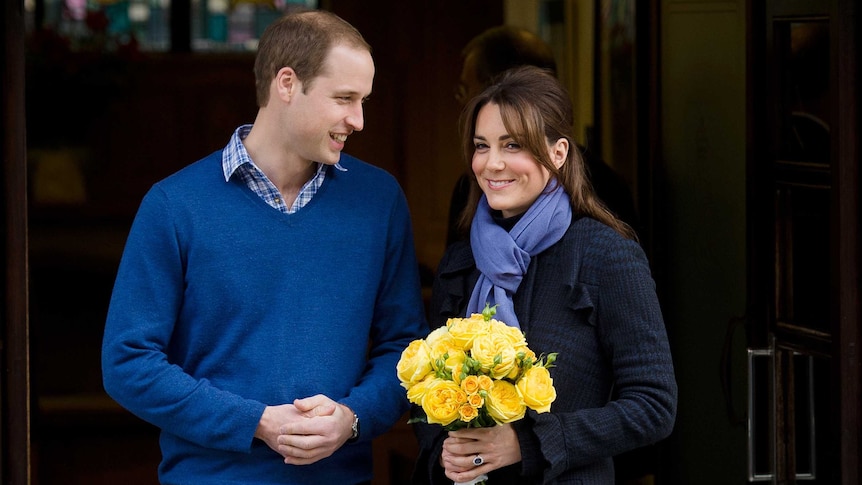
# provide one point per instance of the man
(485, 57)
(266, 291)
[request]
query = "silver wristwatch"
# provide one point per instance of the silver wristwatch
(355, 428)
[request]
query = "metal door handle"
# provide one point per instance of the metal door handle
(753, 475)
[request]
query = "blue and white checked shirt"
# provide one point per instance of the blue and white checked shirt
(235, 160)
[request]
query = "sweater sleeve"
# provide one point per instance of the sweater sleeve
(143, 311)
(632, 337)
(378, 398)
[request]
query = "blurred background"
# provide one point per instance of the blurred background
(733, 125)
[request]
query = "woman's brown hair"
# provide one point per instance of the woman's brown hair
(537, 111)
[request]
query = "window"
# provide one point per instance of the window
(113, 25)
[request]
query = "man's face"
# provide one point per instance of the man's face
(330, 109)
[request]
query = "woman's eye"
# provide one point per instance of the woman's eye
(480, 146)
(513, 146)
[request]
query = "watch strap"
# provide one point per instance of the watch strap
(355, 428)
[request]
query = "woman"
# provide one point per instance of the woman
(558, 264)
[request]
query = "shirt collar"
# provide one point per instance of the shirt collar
(235, 155)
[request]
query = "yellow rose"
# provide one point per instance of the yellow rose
(485, 383)
(418, 390)
(464, 330)
(537, 389)
(467, 413)
(470, 384)
(529, 355)
(442, 401)
(440, 333)
(475, 400)
(476, 317)
(488, 348)
(504, 403)
(415, 363)
(513, 374)
(454, 360)
(442, 347)
(514, 334)
(442, 343)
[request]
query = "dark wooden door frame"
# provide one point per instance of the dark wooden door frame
(847, 183)
(14, 379)
(846, 335)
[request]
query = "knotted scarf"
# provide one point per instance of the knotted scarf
(503, 257)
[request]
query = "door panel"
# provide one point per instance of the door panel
(804, 398)
(789, 402)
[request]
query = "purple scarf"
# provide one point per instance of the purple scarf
(503, 257)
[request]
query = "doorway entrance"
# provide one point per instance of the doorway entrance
(803, 204)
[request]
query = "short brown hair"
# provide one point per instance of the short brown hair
(300, 40)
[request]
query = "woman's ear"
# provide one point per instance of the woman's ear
(559, 151)
(286, 83)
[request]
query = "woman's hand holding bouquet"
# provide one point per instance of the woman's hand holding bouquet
(475, 372)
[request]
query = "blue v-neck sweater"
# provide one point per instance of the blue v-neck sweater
(223, 305)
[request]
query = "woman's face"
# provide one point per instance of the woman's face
(510, 176)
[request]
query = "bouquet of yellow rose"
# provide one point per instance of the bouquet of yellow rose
(475, 372)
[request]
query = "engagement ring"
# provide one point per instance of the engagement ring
(478, 460)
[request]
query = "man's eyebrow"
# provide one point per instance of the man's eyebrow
(351, 94)
(347, 91)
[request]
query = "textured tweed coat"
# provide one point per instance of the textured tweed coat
(591, 298)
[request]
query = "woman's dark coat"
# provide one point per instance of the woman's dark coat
(590, 298)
